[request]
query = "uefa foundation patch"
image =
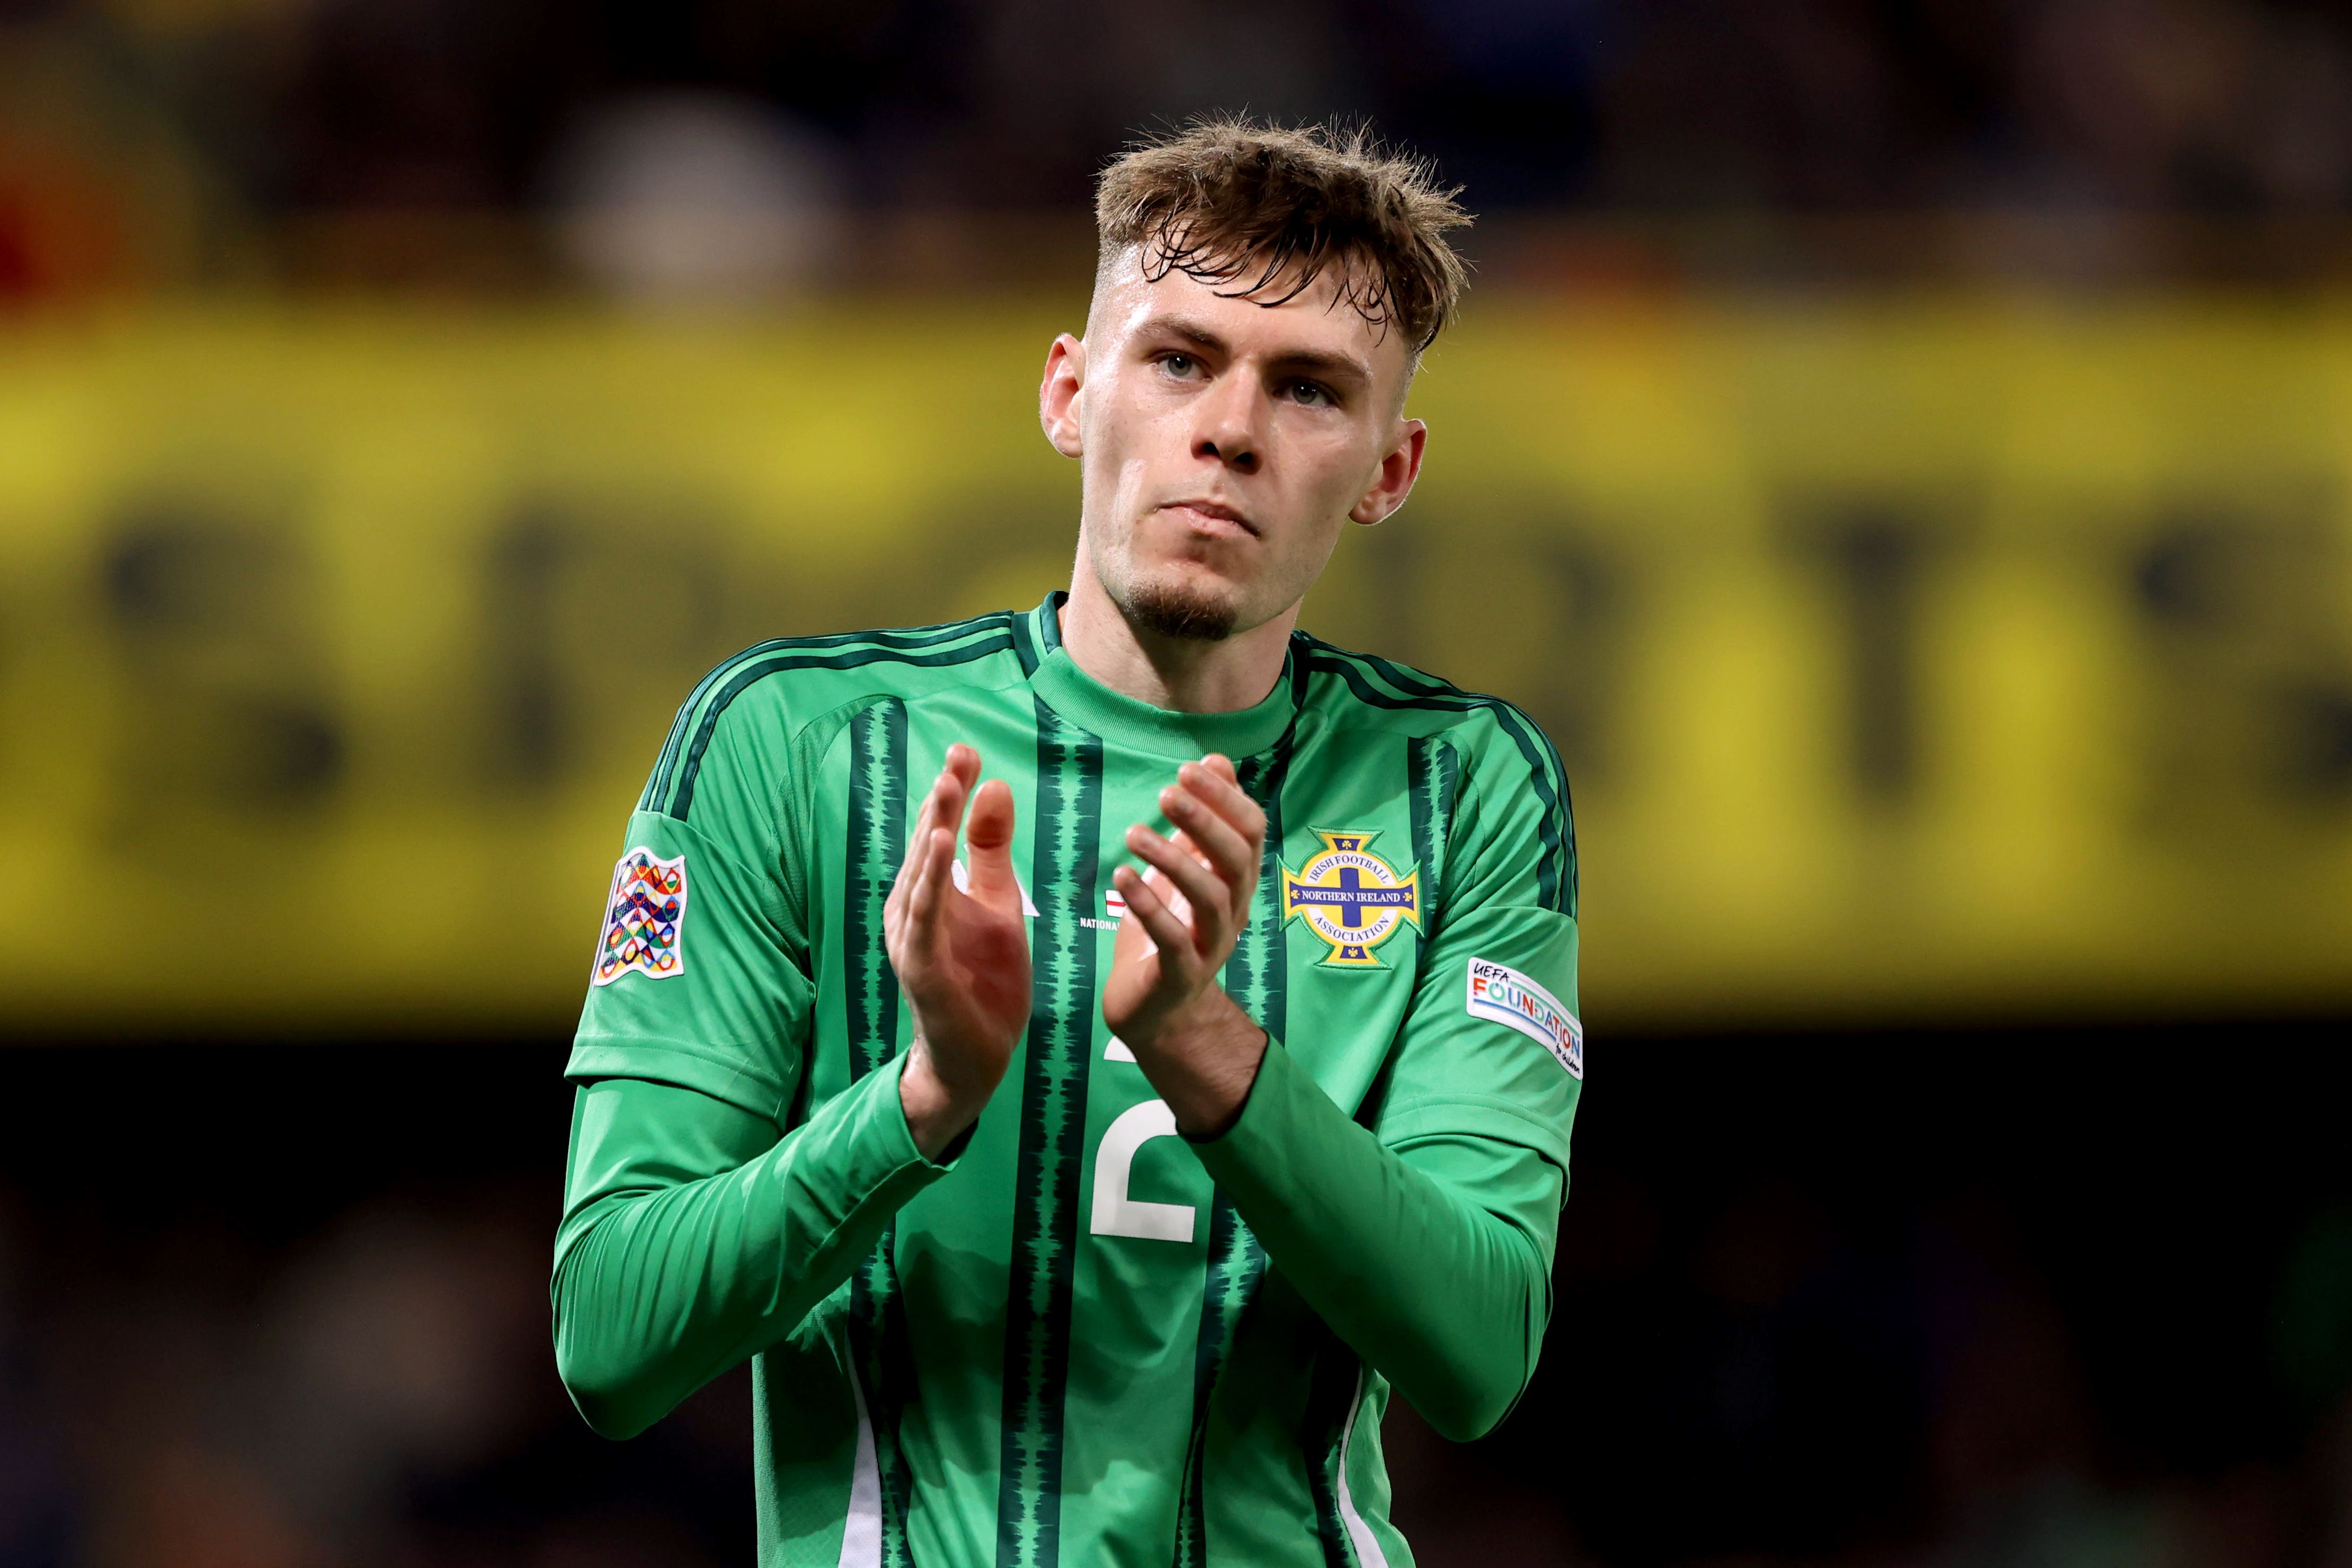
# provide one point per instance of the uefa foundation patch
(1506, 996)
(643, 916)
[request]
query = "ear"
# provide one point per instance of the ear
(1398, 471)
(1059, 394)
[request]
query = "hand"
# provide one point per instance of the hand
(962, 957)
(1198, 1049)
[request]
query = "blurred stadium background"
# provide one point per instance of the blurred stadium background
(1902, 451)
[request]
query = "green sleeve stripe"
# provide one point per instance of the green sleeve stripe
(1523, 730)
(1024, 642)
(681, 727)
(1297, 663)
(659, 786)
(1555, 865)
(915, 639)
(998, 639)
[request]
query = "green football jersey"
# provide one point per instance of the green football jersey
(1069, 1344)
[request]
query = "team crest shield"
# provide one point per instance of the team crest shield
(644, 916)
(1351, 898)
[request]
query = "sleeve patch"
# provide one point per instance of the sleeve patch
(645, 919)
(1504, 996)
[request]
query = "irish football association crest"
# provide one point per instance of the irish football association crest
(643, 918)
(1351, 898)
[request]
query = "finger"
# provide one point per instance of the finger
(1173, 897)
(911, 892)
(954, 788)
(911, 869)
(1145, 905)
(912, 859)
(1212, 779)
(1233, 857)
(989, 834)
(1209, 894)
(1226, 823)
(1133, 941)
(946, 791)
(1237, 895)
(927, 903)
(942, 813)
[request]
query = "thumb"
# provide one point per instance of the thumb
(989, 833)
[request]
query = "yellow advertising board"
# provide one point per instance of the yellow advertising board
(1913, 660)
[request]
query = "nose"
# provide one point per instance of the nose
(1227, 431)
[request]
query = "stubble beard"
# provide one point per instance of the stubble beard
(1166, 611)
(1157, 598)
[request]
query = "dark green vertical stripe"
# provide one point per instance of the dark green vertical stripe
(1257, 979)
(1330, 1392)
(877, 1315)
(1257, 976)
(1068, 818)
(1235, 1264)
(1431, 773)
(877, 843)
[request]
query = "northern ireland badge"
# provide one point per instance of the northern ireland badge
(1351, 898)
(643, 916)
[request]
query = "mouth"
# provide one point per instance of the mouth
(1213, 518)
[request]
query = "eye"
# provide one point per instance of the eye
(1179, 365)
(1311, 394)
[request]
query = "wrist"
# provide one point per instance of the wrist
(1202, 1059)
(937, 1114)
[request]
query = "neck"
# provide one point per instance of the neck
(1184, 675)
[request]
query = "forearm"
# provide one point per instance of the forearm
(672, 1267)
(1446, 1298)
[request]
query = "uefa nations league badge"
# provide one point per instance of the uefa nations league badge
(644, 915)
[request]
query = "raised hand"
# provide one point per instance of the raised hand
(1198, 1049)
(962, 954)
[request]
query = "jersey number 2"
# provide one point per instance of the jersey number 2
(1116, 1214)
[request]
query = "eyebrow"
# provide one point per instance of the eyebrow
(1318, 362)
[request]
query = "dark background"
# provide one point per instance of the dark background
(2019, 1296)
(157, 144)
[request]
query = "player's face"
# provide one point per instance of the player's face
(1225, 443)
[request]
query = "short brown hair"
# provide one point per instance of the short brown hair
(1226, 200)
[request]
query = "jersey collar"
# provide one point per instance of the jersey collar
(1158, 732)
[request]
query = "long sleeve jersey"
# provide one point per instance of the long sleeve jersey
(1078, 1337)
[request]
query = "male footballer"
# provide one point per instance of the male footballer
(1087, 1057)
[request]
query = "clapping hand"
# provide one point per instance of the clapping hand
(961, 953)
(1198, 1049)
